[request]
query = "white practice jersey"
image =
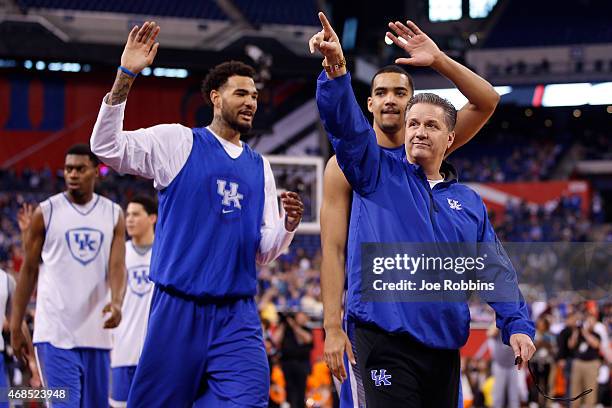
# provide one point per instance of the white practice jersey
(7, 287)
(73, 285)
(129, 336)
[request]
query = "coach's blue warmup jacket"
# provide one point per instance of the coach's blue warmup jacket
(393, 202)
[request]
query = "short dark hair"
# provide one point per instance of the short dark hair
(149, 204)
(450, 113)
(82, 149)
(395, 69)
(218, 75)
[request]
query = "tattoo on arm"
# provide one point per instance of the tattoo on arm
(121, 88)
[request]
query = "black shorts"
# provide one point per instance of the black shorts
(397, 371)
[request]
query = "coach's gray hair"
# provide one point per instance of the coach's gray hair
(450, 113)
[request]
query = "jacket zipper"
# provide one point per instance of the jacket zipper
(433, 207)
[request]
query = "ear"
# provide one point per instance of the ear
(153, 218)
(451, 139)
(215, 98)
(370, 104)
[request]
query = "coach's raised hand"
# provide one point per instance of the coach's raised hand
(139, 52)
(327, 43)
(423, 51)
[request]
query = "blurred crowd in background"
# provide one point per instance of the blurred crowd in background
(289, 299)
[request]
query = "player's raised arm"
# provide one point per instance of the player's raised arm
(158, 152)
(423, 51)
(347, 128)
(28, 276)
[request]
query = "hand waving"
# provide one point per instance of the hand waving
(141, 48)
(423, 51)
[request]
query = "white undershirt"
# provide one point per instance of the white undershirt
(161, 151)
(432, 183)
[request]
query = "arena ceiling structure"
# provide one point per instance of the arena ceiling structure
(195, 35)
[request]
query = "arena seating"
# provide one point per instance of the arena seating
(179, 8)
(530, 24)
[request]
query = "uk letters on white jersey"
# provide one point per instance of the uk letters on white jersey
(129, 336)
(73, 283)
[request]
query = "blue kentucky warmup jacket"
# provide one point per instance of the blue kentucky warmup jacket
(393, 203)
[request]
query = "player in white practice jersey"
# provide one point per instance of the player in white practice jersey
(128, 338)
(75, 249)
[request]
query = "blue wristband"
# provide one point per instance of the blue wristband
(127, 72)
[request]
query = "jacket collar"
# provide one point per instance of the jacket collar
(448, 170)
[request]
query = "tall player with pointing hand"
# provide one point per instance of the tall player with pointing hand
(218, 217)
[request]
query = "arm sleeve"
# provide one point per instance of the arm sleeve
(157, 153)
(511, 313)
(275, 239)
(349, 132)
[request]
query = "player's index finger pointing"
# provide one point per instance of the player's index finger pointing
(325, 23)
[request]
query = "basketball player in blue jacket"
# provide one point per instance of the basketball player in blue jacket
(218, 216)
(407, 353)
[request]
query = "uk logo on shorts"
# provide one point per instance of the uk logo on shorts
(138, 280)
(84, 243)
(382, 378)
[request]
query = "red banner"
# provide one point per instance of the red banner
(41, 117)
(498, 195)
(40, 120)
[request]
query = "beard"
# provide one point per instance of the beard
(233, 122)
